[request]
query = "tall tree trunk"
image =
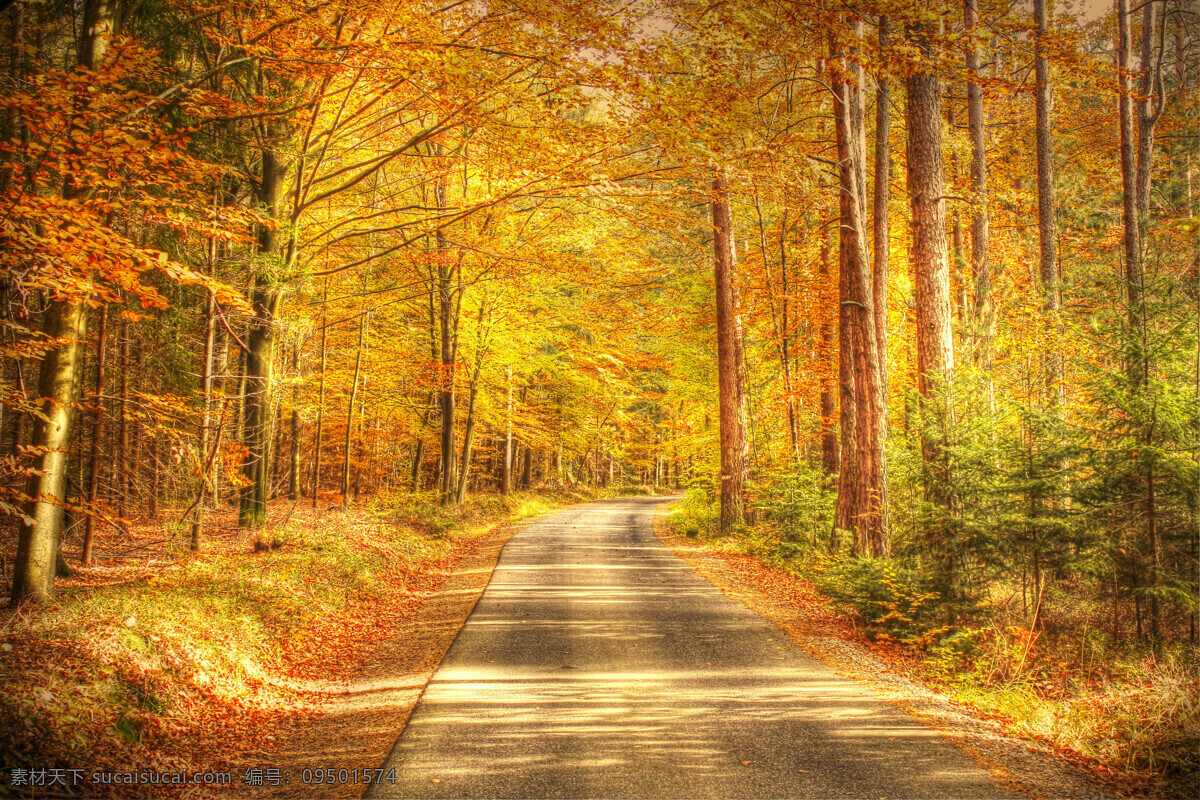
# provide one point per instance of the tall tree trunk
(260, 339)
(469, 433)
(785, 346)
(507, 460)
(59, 381)
(931, 274)
(829, 439)
(976, 122)
(155, 480)
(38, 542)
(1132, 232)
(861, 504)
(468, 440)
(733, 432)
(222, 369)
(316, 473)
(446, 313)
(362, 332)
(97, 437)
(294, 467)
(779, 319)
(137, 485)
(880, 228)
(14, 126)
(1136, 182)
(1150, 106)
(206, 386)
(123, 481)
(256, 399)
(1047, 224)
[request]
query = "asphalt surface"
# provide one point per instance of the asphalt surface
(597, 664)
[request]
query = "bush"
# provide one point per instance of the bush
(896, 605)
(695, 515)
(798, 505)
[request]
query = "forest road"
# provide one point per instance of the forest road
(597, 664)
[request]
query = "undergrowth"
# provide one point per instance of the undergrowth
(1067, 686)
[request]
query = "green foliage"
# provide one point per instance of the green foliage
(895, 604)
(696, 515)
(799, 506)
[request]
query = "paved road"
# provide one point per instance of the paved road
(597, 664)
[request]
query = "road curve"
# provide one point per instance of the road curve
(597, 664)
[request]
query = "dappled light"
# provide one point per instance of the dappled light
(571, 679)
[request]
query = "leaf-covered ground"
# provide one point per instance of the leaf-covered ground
(155, 660)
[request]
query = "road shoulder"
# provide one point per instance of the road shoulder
(353, 727)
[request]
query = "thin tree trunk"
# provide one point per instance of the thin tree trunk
(362, 332)
(316, 473)
(1132, 232)
(223, 370)
(469, 433)
(506, 462)
(206, 386)
(97, 437)
(880, 228)
(779, 321)
(1149, 110)
(137, 485)
(468, 441)
(155, 480)
(733, 433)
(122, 466)
(294, 472)
(446, 377)
(1047, 224)
(276, 449)
(976, 122)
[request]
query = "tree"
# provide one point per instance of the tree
(976, 122)
(931, 273)
(59, 380)
(729, 366)
(1047, 224)
(862, 492)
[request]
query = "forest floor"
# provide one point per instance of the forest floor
(243, 662)
(1027, 766)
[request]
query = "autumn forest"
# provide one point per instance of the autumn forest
(902, 298)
